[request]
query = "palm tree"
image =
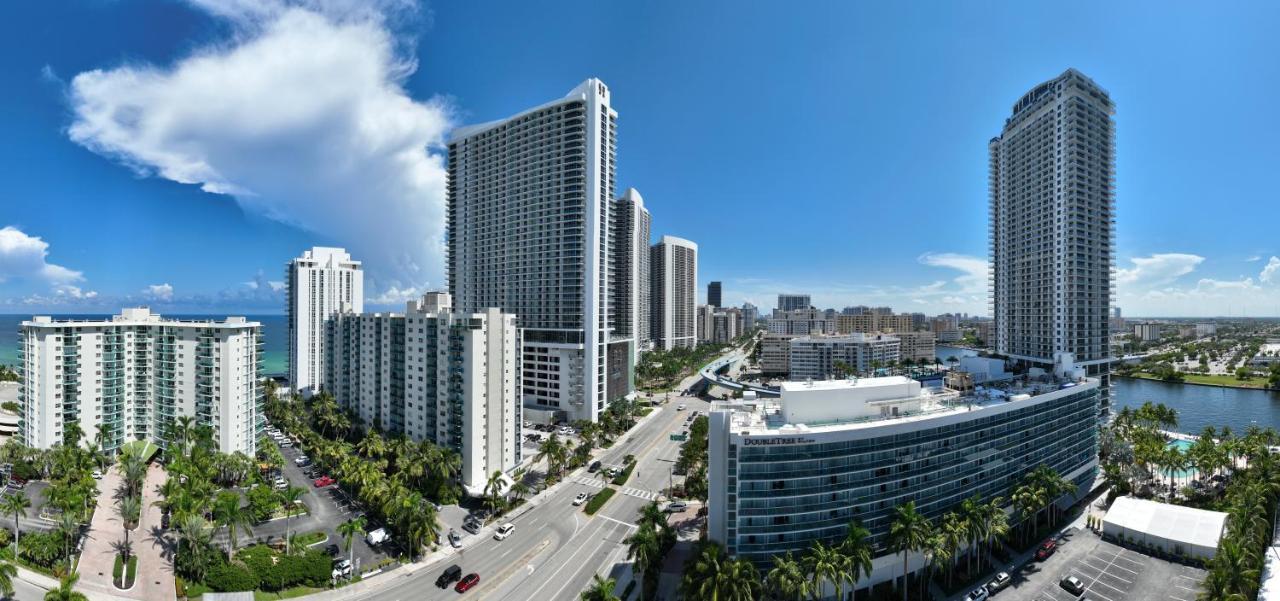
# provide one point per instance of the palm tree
(289, 497)
(128, 508)
(857, 550)
(971, 514)
(493, 490)
(908, 532)
(601, 589)
(228, 513)
(786, 580)
(936, 549)
(826, 564)
(7, 573)
(349, 530)
(66, 590)
(643, 549)
(67, 527)
(15, 505)
(952, 532)
(995, 525)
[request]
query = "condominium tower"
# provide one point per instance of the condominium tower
(631, 274)
(793, 302)
(713, 294)
(530, 205)
(674, 271)
(134, 375)
(1052, 197)
(320, 283)
(431, 374)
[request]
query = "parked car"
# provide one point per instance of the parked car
(580, 499)
(280, 482)
(301, 460)
(323, 481)
(977, 594)
(467, 583)
(97, 475)
(504, 531)
(998, 583)
(376, 537)
(676, 506)
(455, 539)
(333, 550)
(681, 407)
(1072, 585)
(471, 526)
(341, 568)
(286, 443)
(1046, 549)
(449, 576)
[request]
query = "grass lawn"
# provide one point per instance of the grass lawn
(312, 538)
(1229, 381)
(288, 593)
(598, 500)
(146, 448)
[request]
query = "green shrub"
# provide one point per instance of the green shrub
(621, 479)
(598, 500)
(231, 577)
(118, 568)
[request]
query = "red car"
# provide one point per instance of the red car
(323, 481)
(467, 583)
(1046, 549)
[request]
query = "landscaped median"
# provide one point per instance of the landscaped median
(124, 580)
(621, 478)
(598, 500)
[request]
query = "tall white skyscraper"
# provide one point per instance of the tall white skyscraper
(132, 376)
(631, 275)
(529, 228)
(674, 271)
(1052, 202)
(319, 284)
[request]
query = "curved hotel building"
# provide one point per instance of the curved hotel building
(786, 472)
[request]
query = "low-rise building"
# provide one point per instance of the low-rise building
(785, 473)
(919, 347)
(802, 322)
(869, 322)
(816, 358)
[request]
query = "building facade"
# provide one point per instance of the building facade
(919, 347)
(788, 472)
(133, 376)
(674, 268)
(631, 271)
(713, 295)
(775, 354)
(793, 302)
(449, 378)
(802, 322)
(866, 323)
(815, 358)
(750, 314)
(322, 282)
(1052, 204)
(529, 232)
(1148, 332)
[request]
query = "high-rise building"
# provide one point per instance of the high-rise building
(793, 302)
(750, 313)
(449, 378)
(713, 294)
(131, 377)
(872, 322)
(631, 274)
(673, 266)
(856, 310)
(802, 322)
(775, 354)
(1052, 201)
(529, 232)
(320, 283)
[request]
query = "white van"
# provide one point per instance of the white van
(376, 537)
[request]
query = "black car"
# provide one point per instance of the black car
(450, 575)
(595, 467)
(332, 550)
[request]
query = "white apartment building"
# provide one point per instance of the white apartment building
(1052, 203)
(322, 282)
(802, 322)
(674, 265)
(814, 357)
(631, 273)
(529, 232)
(920, 347)
(132, 376)
(449, 378)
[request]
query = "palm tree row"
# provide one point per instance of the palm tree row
(841, 563)
(648, 545)
(1252, 498)
(1037, 494)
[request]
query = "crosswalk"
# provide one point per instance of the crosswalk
(647, 495)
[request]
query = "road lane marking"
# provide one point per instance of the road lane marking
(550, 578)
(527, 558)
(616, 521)
(603, 541)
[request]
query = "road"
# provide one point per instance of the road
(556, 548)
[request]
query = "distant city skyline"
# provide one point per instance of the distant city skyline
(120, 188)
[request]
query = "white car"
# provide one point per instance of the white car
(681, 407)
(977, 594)
(377, 537)
(455, 539)
(676, 506)
(341, 569)
(301, 460)
(580, 499)
(998, 583)
(280, 482)
(504, 531)
(97, 475)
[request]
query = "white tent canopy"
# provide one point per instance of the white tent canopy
(1172, 528)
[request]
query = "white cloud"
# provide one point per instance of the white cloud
(74, 292)
(395, 295)
(1253, 259)
(1157, 269)
(1269, 272)
(974, 269)
(163, 292)
(25, 257)
(301, 117)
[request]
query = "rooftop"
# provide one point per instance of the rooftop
(135, 316)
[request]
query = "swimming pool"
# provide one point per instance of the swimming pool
(1183, 446)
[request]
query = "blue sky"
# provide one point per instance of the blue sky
(178, 154)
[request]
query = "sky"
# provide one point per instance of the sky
(178, 154)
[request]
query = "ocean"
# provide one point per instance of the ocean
(275, 332)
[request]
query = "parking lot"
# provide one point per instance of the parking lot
(1107, 571)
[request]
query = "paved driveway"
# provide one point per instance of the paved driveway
(155, 580)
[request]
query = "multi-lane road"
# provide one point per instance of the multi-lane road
(556, 548)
